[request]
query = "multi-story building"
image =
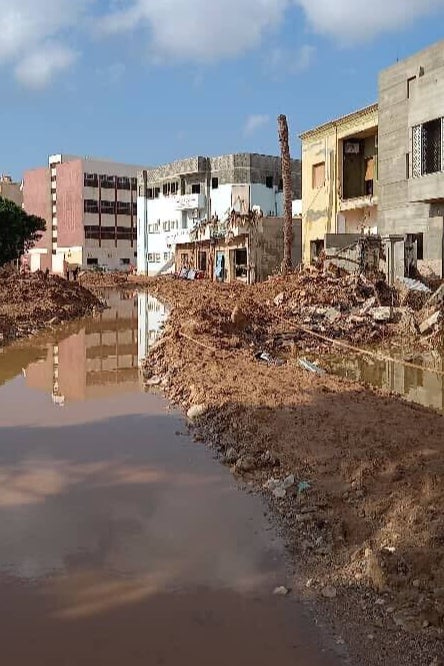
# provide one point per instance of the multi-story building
(11, 190)
(411, 159)
(175, 199)
(339, 179)
(90, 208)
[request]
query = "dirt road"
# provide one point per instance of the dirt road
(363, 497)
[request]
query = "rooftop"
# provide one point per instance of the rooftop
(342, 120)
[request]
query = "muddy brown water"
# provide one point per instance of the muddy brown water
(122, 542)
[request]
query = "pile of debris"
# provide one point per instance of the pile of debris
(29, 302)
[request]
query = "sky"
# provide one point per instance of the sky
(149, 81)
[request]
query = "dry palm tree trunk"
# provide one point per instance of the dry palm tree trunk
(287, 263)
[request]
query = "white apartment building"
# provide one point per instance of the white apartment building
(175, 198)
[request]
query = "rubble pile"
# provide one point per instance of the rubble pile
(29, 302)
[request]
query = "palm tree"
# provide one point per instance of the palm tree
(287, 263)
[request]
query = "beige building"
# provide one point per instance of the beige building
(339, 179)
(10, 190)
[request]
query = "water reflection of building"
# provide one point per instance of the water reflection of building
(424, 387)
(152, 316)
(99, 359)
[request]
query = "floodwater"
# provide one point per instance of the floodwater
(122, 542)
(423, 385)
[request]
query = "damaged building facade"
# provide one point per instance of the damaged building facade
(411, 162)
(339, 180)
(177, 199)
(244, 248)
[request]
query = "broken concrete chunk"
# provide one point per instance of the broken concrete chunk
(279, 492)
(279, 299)
(429, 324)
(368, 305)
(382, 314)
(332, 314)
(437, 297)
(281, 591)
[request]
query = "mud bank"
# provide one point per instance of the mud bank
(29, 303)
(355, 475)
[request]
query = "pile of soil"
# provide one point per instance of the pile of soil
(30, 302)
(96, 280)
(356, 475)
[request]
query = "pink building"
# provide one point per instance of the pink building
(90, 208)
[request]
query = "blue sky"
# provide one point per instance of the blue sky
(149, 81)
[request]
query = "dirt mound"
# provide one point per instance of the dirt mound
(32, 301)
(356, 475)
(102, 280)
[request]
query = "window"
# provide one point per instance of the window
(174, 188)
(107, 182)
(166, 256)
(123, 208)
(407, 165)
(411, 86)
(92, 261)
(90, 180)
(166, 189)
(195, 188)
(107, 207)
(134, 207)
(123, 183)
(318, 175)
(214, 183)
(269, 182)
(156, 193)
(431, 146)
(133, 183)
(166, 226)
(90, 206)
(281, 185)
(125, 261)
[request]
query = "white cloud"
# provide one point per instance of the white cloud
(281, 62)
(30, 36)
(349, 21)
(195, 30)
(37, 69)
(255, 122)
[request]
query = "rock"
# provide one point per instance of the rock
(329, 592)
(279, 492)
(196, 411)
(154, 381)
(332, 314)
(231, 456)
(281, 591)
(238, 318)
(381, 315)
(245, 464)
(429, 324)
(279, 299)
(288, 481)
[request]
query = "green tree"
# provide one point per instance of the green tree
(18, 231)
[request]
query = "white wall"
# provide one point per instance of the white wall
(269, 199)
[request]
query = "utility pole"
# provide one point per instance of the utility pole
(287, 263)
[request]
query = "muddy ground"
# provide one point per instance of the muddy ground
(355, 475)
(31, 302)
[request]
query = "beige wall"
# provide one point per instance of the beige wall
(321, 203)
(11, 191)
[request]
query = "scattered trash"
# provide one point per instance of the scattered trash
(281, 591)
(154, 381)
(310, 367)
(414, 285)
(268, 358)
(279, 299)
(303, 486)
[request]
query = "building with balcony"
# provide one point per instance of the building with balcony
(339, 179)
(90, 208)
(411, 163)
(177, 199)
